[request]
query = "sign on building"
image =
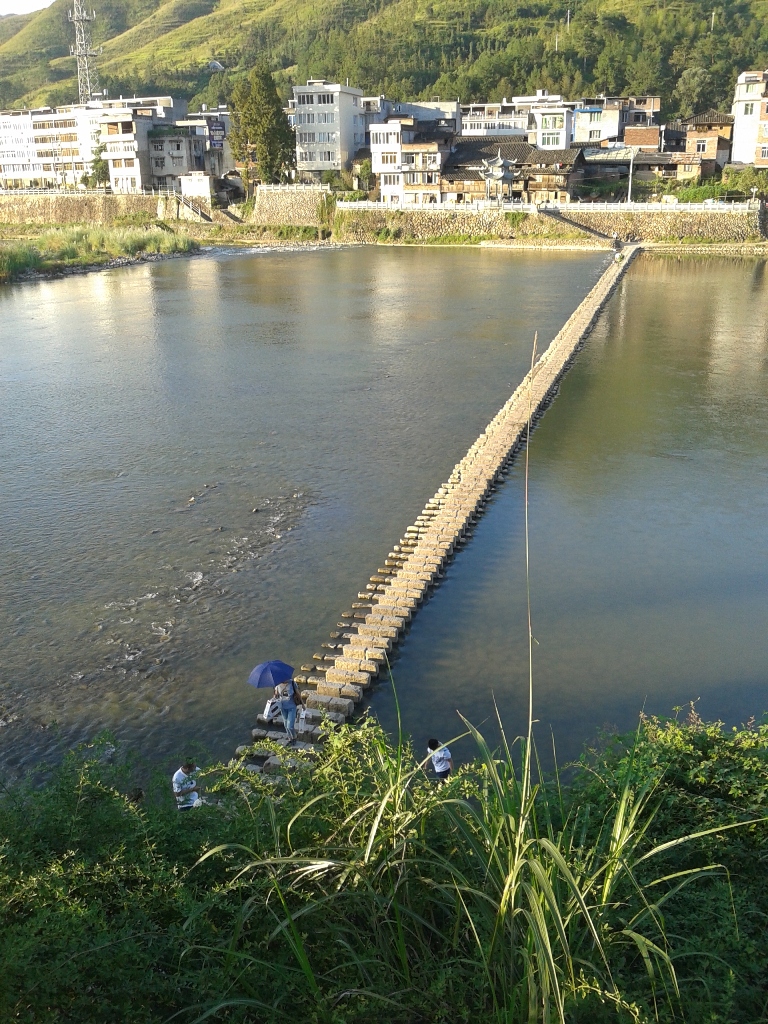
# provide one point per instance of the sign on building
(217, 133)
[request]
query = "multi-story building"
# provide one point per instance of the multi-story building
(750, 119)
(125, 138)
(407, 156)
(330, 127)
(506, 169)
(709, 136)
(497, 119)
(54, 147)
(604, 119)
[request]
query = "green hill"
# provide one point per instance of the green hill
(474, 49)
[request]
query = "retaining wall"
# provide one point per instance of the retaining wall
(342, 671)
(665, 226)
(300, 207)
(75, 209)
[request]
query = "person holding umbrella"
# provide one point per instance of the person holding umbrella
(279, 676)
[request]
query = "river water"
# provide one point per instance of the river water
(202, 461)
(146, 412)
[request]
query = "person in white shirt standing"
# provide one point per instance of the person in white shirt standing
(185, 787)
(442, 762)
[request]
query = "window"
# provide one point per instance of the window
(595, 115)
(751, 87)
(595, 135)
(117, 163)
(764, 153)
(129, 163)
(550, 139)
(307, 156)
(307, 117)
(391, 158)
(177, 161)
(306, 99)
(749, 108)
(385, 138)
(158, 147)
(687, 167)
(412, 178)
(409, 158)
(326, 136)
(390, 179)
(552, 121)
(701, 145)
(323, 117)
(327, 156)
(159, 161)
(326, 97)
(306, 137)
(176, 146)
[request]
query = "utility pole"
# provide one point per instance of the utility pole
(712, 26)
(568, 20)
(87, 79)
(631, 165)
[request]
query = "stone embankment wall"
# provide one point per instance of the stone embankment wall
(424, 226)
(294, 207)
(668, 226)
(342, 671)
(88, 208)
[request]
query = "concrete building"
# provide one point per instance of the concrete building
(54, 147)
(603, 119)
(497, 119)
(125, 137)
(330, 127)
(750, 119)
(407, 157)
(709, 136)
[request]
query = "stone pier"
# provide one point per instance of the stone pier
(342, 672)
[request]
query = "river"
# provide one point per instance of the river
(202, 461)
(146, 412)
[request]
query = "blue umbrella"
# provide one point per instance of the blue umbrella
(270, 673)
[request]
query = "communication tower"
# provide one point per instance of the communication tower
(87, 79)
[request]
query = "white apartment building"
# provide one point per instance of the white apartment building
(48, 147)
(54, 147)
(330, 127)
(750, 119)
(604, 118)
(407, 157)
(503, 118)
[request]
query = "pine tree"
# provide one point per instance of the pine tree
(261, 131)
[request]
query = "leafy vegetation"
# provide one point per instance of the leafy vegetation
(357, 889)
(260, 132)
(407, 48)
(57, 248)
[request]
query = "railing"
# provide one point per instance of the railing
(72, 191)
(184, 200)
(483, 205)
(293, 188)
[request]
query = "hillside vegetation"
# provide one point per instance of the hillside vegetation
(473, 49)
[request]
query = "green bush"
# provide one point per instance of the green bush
(358, 889)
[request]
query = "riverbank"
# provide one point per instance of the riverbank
(364, 887)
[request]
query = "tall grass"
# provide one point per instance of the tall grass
(81, 246)
(16, 259)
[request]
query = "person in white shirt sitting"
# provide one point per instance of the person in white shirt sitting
(442, 762)
(185, 787)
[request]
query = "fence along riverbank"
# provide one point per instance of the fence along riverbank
(344, 669)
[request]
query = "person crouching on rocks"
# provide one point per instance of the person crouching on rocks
(289, 699)
(186, 788)
(442, 762)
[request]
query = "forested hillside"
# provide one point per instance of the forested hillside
(473, 49)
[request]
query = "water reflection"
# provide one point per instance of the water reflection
(649, 525)
(145, 414)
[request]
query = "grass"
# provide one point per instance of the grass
(57, 248)
(359, 889)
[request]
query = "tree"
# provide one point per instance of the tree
(260, 128)
(693, 91)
